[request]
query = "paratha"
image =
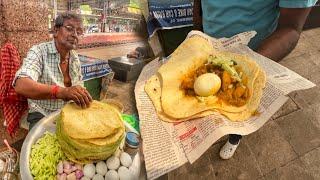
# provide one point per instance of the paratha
(98, 121)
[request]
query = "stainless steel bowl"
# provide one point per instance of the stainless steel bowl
(46, 124)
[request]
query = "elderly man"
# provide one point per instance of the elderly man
(51, 72)
(278, 24)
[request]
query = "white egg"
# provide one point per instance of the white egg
(112, 175)
(89, 170)
(207, 84)
(98, 177)
(124, 173)
(125, 159)
(101, 168)
(113, 162)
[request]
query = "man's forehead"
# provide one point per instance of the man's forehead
(73, 22)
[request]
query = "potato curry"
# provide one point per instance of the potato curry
(233, 89)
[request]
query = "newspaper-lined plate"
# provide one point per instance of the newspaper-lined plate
(187, 141)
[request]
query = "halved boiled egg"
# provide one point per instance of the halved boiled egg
(207, 84)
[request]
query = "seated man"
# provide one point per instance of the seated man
(51, 73)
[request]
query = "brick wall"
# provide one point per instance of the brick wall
(24, 23)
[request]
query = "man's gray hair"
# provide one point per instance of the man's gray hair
(66, 16)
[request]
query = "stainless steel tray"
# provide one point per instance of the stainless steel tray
(46, 124)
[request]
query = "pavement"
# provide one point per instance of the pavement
(286, 147)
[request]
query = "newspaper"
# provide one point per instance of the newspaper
(167, 146)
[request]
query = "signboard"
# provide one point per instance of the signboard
(166, 14)
(93, 68)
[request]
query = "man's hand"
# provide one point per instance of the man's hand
(141, 52)
(134, 54)
(77, 94)
(34, 90)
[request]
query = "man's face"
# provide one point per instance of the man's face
(67, 36)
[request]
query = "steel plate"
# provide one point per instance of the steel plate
(46, 124)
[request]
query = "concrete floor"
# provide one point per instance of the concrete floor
(286, 147)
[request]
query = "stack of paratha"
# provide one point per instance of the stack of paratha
(90, 134)
(173, 103)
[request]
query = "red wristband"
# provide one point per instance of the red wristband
(54, 91)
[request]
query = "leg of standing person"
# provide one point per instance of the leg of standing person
(228, 150)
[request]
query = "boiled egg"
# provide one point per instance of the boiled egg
(89, 170)
(124, 173)
(112, 175)
(125, 159)
(113, 162)
(207, 84)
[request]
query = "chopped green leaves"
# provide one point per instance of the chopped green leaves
(45, 155)
(226, 64)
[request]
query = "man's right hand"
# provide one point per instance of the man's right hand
(134, 54)
(77, 94)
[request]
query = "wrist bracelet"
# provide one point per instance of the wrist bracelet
(54, 91)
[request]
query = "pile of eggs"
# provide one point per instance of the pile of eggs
(114, 168)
